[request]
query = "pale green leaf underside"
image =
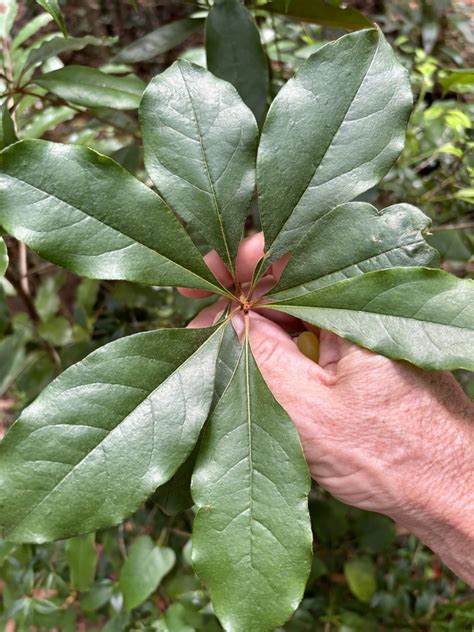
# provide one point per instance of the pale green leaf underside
(83, 211)
(352, 239)
(252, 533)
(415, 314)
(332, 132)
(3, 257)
(58, 45)
(200, 143)
(92, 88)
(106, 433)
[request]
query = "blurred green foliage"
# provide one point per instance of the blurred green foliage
(368, 575)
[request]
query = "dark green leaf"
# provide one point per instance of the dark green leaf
(52, 7)
(200, 143)
(252, 534)
(7, 127)
(235, 53)
(59, 45)
(3, 257)
(332, 133)
(352, 239)
(102, 223)
(376, 533)
(320, 12)
(159, 41)
(454, 245)
(415, 314)
(92, 88)
(106, 433)
(143, 570)
(360, 575)
(82, 557)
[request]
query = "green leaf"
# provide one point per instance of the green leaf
(59, 45)
(30, 28)
(175, 496)
(8, 10)
(360, 575)
(47, 120)
(92, 88)
(454, 245)
(52, 7)
(7, 127)
(159, 41)
(332, 133)
(103, 223)
(81, 555)
(200, 143)
(252, 534)
(320, 12)
(456, 77)
(235, 53)
(143, 570)
(352, 239)
(104, 435)
(415, 314)
(3, 257)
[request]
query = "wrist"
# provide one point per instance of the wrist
(437, 503)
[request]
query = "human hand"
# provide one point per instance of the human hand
(378, 434)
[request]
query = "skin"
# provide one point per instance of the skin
(378, 434)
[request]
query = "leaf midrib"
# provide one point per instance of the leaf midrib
(88, 84)
(343, 118)
(119, 232)
(108, 434)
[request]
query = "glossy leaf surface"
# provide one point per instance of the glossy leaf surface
(81, 555)
(106, 433)
(352, 239)
(7, 128)
(54, 10)
(3, 257)
(103, 223)
(144, 568)
(200, 144)
(332, 133)
(92, 88)
(415, 314)
(252, 534)
(320, 12)
(158, 42)
(235, 53)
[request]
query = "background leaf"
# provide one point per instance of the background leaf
(360, 575)
(352, 100)
(64, 471)
(159, 41)
(235, 53)
(352, 239)
(3, 257)
(82, 557)
(82, 224)
(59, 45)
(92, 88)
(200, 144)
(143, 570)
(251, 484)
(7, 127)
(415, 314)
(54, 10)
(8, 10)
(320, 12)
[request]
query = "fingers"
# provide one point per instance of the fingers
(208, 316)
(250, 253)
(218, 269)
(279, 265)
